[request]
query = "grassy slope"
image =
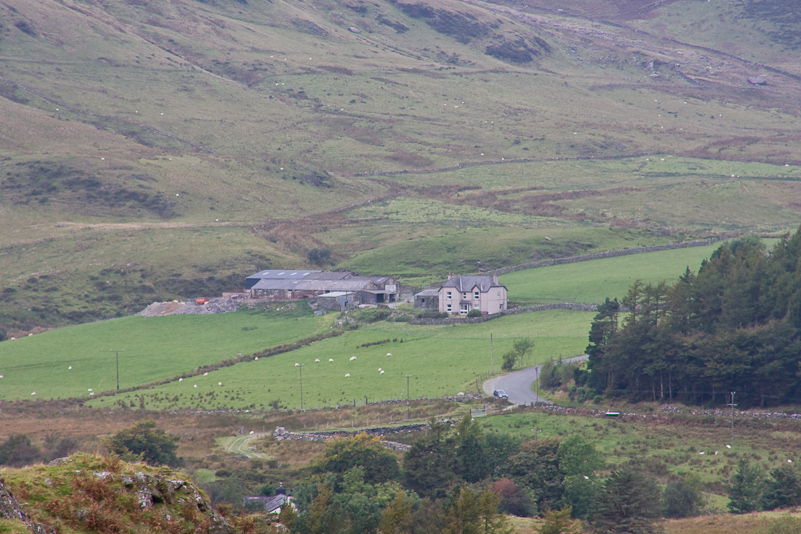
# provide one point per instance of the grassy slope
(128, 97)
(592, 281)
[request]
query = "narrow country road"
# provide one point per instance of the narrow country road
(518, 384)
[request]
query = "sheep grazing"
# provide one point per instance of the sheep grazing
(381, 372)
(330, 359)
(347, 375)
(352, 358)
(389, 354)
(317, 360)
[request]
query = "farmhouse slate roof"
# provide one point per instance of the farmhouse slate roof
(467, 283)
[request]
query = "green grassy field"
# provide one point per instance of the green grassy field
(442, 360)
(591, 282)
(72, 362)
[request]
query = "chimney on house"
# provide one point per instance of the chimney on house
(495, 278)
(451, 276)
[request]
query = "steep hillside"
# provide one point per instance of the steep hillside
(205, 140)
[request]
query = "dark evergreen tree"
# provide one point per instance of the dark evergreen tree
(536, 467)
(745, 488)
(630, 503)
(680, 500)
(430, 466)
(472, 462)
(604, 326)
(783, 489)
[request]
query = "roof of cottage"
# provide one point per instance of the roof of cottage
(467, 283)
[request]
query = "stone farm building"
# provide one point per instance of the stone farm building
(279, 285)
(460, 294)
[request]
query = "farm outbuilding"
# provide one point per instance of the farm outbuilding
(294, 285)
(427, 299)
(337, 300)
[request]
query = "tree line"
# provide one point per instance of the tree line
(731, 327)
(462, 480)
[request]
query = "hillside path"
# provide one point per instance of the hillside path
(518, 384)
(240, 446)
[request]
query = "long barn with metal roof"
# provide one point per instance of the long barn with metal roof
(294, 285)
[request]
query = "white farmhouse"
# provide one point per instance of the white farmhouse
(460, 294)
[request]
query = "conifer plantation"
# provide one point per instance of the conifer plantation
(731, 327)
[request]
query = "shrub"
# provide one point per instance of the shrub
(145, 442)
(475, 312)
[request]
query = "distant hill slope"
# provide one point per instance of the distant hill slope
(194, 142)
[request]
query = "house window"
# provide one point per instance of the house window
(499, 293)
(463, 309)
(475, 295)
(450, 308)
(448, 294)
(464, 295)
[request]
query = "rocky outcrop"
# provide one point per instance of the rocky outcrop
(89, 493)
(10, 508)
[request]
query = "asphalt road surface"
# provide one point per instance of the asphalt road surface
(518, 384)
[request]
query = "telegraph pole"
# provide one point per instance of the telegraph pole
(300, 368)
(492, 359)
(118, 366)
(408, 408)
(732, 415)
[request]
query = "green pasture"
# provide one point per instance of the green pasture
(591, 282)
(76, 361)
(474, 248)
(442, 360)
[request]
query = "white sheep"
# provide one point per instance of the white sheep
(389, 354)
(317, 360)
(352, 358)
(347, 375)
(330, 359)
